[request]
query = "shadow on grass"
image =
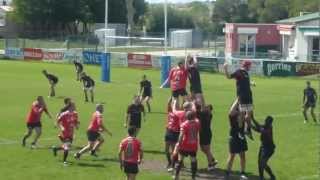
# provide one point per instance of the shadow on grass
(115, 160)
(153, 152)
(82, 164)
(218, 174)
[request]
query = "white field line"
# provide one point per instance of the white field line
(311, 177)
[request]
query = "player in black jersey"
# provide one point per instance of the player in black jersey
(267, 146)
(79, 69)
(145, 91)
(237, 144)
(53, 80)
(133, 117)
(194, 79)
(88, 85)
(244, 94)
(309, 101)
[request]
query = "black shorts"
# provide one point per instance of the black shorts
(93, 136)
(135, 123)
(171, 136)
(146, 94)
(34, 125)
(310, 105)
(130, 168)
(196, 88)
(265, 153)
(179, 92)
(188, 153)
(237, 145)
(245, 98)
(205, 138)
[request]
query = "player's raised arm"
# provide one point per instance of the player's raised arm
(256, 126)
(226, 72)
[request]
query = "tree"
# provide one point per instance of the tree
(180, 19)
(269, 11)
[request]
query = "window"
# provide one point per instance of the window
(247, 44)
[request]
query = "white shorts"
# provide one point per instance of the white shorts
(245, 107)
(88, 88)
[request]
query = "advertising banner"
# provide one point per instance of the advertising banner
(277, 68)
(139, 60)
(92, 57)
(14, 53)
(256, 67)
(33, 54)
(53, 55)
(304, 69)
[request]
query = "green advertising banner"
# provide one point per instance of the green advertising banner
(278, 68)
(208, 64)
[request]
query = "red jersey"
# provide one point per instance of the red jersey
(96, 122)
(178, 78)
(68, 120)
(173, 122)
(190, 131)
(181, 116)
(35, 113)
(131, 147)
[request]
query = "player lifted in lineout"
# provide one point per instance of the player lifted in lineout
(244, 94)
(53, 80)
(178, 81)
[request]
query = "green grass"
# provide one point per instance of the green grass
(296, 156)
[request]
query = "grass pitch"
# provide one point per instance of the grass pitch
(296, 156)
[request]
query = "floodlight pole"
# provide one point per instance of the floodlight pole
(105, 27)
(165, 26)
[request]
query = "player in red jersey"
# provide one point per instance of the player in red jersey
(33, 120)
(67, 121)
(94, 137)
(188, 143)
(178, 81)
(172, 133)
(181, 117)
(130, 154)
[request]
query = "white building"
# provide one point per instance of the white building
(300, 37)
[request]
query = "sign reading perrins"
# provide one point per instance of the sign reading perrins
(272, 68)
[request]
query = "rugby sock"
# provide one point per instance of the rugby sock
(194, 168)
(65, 155)
(168, 158)
(178, 168)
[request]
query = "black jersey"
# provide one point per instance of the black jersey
(235, 129)
(79, 66)
(135, 111)
(147, 87)
(267, 137)
(310, 93)
(205, 118)
(87, 81)
(243, 86)
(52, 78)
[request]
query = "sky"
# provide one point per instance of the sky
(173, 1)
